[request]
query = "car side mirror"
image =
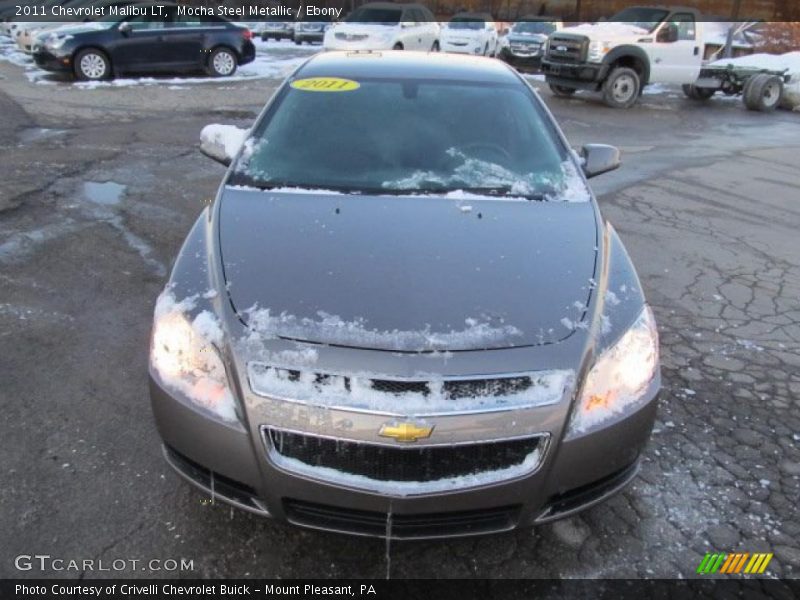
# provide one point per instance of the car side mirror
(668, 33)
(125, 28)
(222, 142)
(599, 159)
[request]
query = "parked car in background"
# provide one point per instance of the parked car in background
(385, 26)
(32, 33)
(277, 30)
(147, 43)
(470, 33)
(310, 30)
(523, 45)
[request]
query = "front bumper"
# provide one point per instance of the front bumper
(234, 461)
(248, 53)
(49, 61)
(575, 75)
(309, 36)
(522, 61)
(278, 34)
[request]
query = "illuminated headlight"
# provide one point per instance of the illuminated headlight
(619, 377)
(185, 357)
(597, 50)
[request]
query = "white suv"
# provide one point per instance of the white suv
(385, 26)
(470, 33)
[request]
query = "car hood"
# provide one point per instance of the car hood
(527, 37)
(407, 274)
(364, 28)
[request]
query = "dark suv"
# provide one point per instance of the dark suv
(147, 41)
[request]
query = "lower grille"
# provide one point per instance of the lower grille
(581, 497)
(387, 463)
(221, 487)
(377, 524)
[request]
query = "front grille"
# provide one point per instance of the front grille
(568, 48)
(362, 522)
(351, 37)
(385, 463)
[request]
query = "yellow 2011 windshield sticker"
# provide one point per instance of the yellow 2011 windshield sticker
(325, 84)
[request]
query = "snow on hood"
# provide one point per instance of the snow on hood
(594, 30)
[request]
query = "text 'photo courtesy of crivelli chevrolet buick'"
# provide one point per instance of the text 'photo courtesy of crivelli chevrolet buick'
(404, 315)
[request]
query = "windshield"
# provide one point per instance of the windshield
(475, 24)
(409, 136)
(380, 16)
(645, 18)
(544, 27)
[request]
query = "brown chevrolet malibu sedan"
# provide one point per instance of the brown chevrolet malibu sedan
(404, 314)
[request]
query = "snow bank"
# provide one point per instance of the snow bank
(789, 62)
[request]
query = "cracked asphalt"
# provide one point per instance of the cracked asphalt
(706, 202)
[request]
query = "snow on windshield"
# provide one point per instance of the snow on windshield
(473, 173)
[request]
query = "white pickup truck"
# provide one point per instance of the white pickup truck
(639, 45)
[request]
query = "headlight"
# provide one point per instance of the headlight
(597, 50)
(186, 360)
(619, 377)
(56, 42)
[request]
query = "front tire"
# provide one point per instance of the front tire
(222, 63)
(92, 64)
(763, 93)
(562, 91)
(435, 47)
(397, 46)
(621, 88)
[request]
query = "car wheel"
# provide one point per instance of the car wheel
(264, 37)
(562, 90)
(92, 65)
(435, 47)
(763, 92)
(696, 93)
(222, 63)
(298, 42)
(397, 46)
(621, 88)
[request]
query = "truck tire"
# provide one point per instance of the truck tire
(763, 93)
(621, 88)
(696, 93)
(562, 90)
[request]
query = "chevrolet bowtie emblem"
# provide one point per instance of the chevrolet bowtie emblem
(406, 431)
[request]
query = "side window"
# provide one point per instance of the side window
(685, 23)
(146, 22)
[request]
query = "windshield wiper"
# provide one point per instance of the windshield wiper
(500, 191)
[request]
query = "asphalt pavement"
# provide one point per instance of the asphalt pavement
(98, 188)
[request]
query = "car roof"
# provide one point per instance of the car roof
(473, 15)
(539, 18)
(408, 65)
